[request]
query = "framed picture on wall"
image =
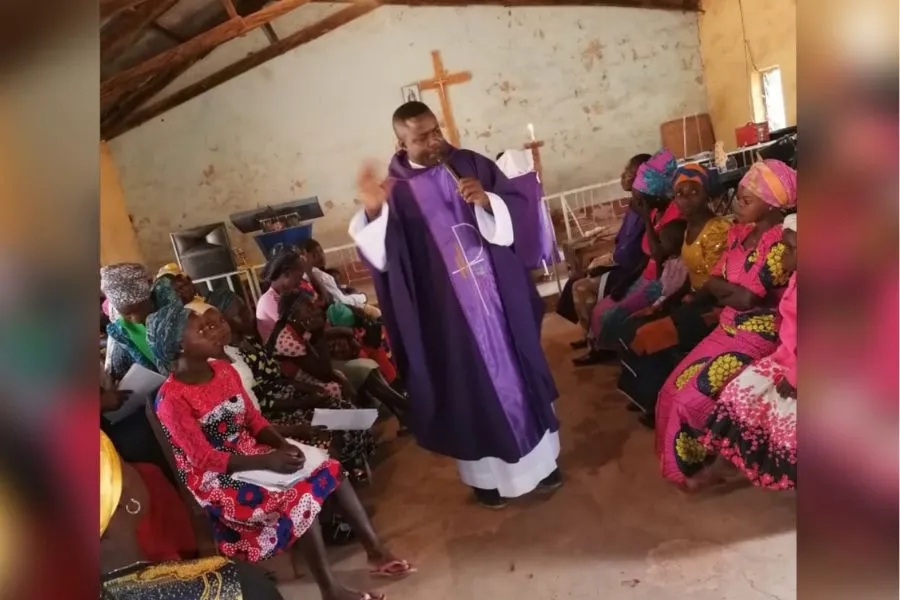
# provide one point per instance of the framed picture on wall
(411, 93)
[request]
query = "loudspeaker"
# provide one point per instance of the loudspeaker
(204, 251)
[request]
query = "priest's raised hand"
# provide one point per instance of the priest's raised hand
(372, 189)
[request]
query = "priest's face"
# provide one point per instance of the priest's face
(422, 139)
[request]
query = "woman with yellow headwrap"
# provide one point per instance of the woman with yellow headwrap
(748, 281)
(126, 574)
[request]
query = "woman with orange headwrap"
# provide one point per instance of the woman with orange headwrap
(655, 341)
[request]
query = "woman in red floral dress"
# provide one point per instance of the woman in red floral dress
(215, 431)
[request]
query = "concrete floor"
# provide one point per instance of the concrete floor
(616, 530)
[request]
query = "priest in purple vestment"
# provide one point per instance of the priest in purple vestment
(462, 314)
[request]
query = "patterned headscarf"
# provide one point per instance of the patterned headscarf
(165, 328)
(124, 284)
(773, 182)
(164, 292)
(110, 481)
(790, 223)
(221, 298)
(693, 172)
(654, 177)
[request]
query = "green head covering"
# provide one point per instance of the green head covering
(340, 315)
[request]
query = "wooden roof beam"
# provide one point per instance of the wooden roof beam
(684, 5)
(111, 7)
(118, 85)
(121, 31)
(305, 35)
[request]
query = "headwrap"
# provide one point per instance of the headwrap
(654, 177)
(169, 269)
(198, 306)
(164, 292)
(110, 481)
(221, 298)
(124, 284)
(165, 328)
(340, 315)
(790, 223)
(773, 182)
(693, 172)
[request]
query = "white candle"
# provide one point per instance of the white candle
(531, 132)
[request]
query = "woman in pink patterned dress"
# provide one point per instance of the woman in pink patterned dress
(754, 425)
(215, 431)
(749, 281)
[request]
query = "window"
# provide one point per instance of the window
(773, 98)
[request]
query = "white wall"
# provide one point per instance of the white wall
(596, 83)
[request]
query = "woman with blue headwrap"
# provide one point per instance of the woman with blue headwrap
(652, 199)
(216, 432)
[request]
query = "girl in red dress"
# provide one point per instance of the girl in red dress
(215, 431)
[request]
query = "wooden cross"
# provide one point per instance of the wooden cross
(441, 80)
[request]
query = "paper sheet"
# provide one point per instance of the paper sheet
(143, 384)
(315, 457)
(358, 419)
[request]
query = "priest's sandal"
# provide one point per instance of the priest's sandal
(551, 482)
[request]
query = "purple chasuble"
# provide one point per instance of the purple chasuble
(463, 317)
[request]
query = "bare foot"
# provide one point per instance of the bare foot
(385, 564)
(702, 480)
(342, 593)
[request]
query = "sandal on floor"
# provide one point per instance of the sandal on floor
(394, 568)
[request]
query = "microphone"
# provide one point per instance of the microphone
(449, 168)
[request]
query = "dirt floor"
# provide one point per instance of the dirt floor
(615, 531)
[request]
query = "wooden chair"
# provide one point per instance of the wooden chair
(206, 544)
(280, 567)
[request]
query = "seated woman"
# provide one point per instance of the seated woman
(216, 432)
(319, 274)
(283, 273)
(302, 340)
(164, 532)
(288, 403)
(172, 275)
(129, 574)
(667, 282)
(127, 289)
(657, 339)
(351, 311)
(754, 425)
(581, 293)
(651, 199)
(748, 280)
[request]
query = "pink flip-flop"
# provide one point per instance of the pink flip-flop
(394, 568)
